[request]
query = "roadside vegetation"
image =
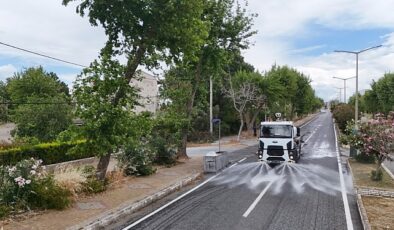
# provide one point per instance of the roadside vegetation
(374, 137)
(206, 45)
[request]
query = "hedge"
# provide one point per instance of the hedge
(49, 153)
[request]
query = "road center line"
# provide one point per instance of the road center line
(242, 160)
(349, 222)
(253, 205)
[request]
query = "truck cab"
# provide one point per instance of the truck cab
(279, 142)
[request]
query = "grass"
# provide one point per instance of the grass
(362, 176)
(380, 211)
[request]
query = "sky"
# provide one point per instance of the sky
(298, 33)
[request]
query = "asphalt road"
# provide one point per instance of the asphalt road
(251, 195)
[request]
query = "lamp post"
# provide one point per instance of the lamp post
(340, 93)
(344, 86)
(357, 53)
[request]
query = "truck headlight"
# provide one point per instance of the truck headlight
(291, 157)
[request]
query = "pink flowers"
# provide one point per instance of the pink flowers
(21, 181)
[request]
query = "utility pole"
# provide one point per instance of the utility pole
(210, 105)
(357, 53)
(344, 86)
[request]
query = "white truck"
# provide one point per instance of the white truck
(279, 142)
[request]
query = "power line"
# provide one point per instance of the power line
(42, 55)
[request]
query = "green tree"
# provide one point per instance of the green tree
(34, 82)
(146, 33)
(361, 102)
(40, 104)
(230, 28)
(384, 89)
(4, 98)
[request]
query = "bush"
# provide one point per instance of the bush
(343, 113)
(365, 158)
(377, 175)
(92, 185)
(25, 186)
(50, 153)
(137, 160)
(165, 153)
(47, 194)
(4, 210)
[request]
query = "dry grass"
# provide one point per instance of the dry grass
(380, 212)
(71, 178)
(362, 176)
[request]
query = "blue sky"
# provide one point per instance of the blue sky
(301, 34)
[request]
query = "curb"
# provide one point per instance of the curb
(363, 213)
(388, 171)
(111, 216)
(360, 205)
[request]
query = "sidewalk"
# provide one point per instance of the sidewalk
(127, 190)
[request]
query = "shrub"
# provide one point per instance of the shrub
(4, 210)
(137, 160)
(377, 175)
(50, 153)
(365, 158)
(165, 153)
(47, 194)
(92, 185)
(25, 186)
(343, 113)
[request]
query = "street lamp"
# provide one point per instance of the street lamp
(357, 53)
(344, 86)
(340, 93)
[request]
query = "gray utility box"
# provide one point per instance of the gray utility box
(215, 161)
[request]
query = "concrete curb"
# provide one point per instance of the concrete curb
(363, 213)
(360, 205)
(110, 217)
(388, 171)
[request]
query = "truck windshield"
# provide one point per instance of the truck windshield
(276, 131)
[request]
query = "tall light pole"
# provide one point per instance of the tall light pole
(340, 93)
(344, 86)
(357, 53)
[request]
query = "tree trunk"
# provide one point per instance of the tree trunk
(240, 127)
(182, 151)
(182, 154)
(249, 125)
(102, 166)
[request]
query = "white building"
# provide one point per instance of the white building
(148, 92)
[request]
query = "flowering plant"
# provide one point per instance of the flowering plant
(17, 181)
(378, 139)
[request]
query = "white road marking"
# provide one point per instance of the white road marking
(253, 205)
(242, 160)
(309, 122)
(349, 222)
(231, 166)
(173, 201)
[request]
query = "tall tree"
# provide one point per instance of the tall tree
(146, 33)
(229, 31)
(244, 91)
(40, 104)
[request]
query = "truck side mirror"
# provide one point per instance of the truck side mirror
(298, 131)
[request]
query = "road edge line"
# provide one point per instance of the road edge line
(175, 200)
(109, 217)
(348, 216)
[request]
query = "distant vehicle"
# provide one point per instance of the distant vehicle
(279, 142)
